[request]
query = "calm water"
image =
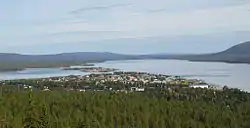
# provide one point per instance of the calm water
(233, 75)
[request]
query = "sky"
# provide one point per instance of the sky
(122, 26)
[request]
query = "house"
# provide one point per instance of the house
(132, 78)
(136, 89)
(81, 90)
(69, 89)
(46, 90)
(199, 86)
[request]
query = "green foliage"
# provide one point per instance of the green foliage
(21, 65)
(35, 115)
(180, 108)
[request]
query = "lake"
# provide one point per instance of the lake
(233, 75)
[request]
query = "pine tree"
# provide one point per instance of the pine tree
(30, 119)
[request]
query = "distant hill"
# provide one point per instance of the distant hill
(79, 56)
(8, 62)
(237, 54)
(240, 49)
(13, 62)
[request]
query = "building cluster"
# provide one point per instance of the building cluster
(116, 81)
(137, 81)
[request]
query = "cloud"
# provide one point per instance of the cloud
(228, 18)
(115, 21)
(156, 10)
(124, 23)
(82, 33)
(102, 7)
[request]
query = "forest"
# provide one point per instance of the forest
(181, 108)
(22, 65)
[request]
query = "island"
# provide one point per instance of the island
(92, 69)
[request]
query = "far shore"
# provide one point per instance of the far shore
(20, 66)
(92, 69)
(10, 68)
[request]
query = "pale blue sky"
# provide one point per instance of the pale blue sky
(124, 26)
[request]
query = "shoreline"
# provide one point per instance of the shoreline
(181, 79)
(211, 84)
(58, 73)
(69, 64)
(92, 69)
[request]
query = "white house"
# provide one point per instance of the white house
(81, 90)
(137, 89)
(199, 86)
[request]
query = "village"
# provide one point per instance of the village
(116, 81)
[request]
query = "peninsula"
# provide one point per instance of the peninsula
(93, 69)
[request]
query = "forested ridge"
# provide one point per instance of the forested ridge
(181, 108)
(13, 62)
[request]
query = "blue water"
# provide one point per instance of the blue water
(233, 75)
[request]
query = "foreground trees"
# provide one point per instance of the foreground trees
(182, 108)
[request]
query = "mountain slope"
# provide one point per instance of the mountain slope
(240, 49)
(80, 56)
(237, 54)
(13, 62)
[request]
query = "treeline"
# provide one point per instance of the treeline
(182, 108)
(21, 65)
(89, 84)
